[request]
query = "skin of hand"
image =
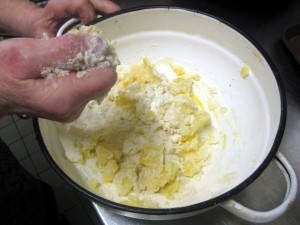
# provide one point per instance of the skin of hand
(56, 11)
(24, 91)
(24, 18)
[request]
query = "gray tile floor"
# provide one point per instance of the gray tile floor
(19, 135)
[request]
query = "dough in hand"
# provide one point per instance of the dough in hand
(95, 56)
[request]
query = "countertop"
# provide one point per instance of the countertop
(265, 25)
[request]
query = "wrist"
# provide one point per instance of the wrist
(16, 16)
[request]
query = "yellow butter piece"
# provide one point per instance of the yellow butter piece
(245, 71)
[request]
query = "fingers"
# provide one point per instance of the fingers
(64, 98)
(27, 57)
(84, 9)
(105, 6)
(22, 60)
(96, 83)
(57, 52)
(86, 13)
(57, 11)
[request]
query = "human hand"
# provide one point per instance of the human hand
(23, 91)
(24, 18)
(57, 11)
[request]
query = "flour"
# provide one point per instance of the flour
(149, 141)
(99, 54)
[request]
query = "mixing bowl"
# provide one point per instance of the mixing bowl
(219, 51)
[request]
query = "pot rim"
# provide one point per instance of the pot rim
(210, 202)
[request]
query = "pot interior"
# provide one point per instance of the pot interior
(255, 119)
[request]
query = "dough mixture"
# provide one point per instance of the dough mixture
(149, 138)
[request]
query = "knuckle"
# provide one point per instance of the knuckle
(72, 43)
(66, 113)
(62, 115)
(12, 55)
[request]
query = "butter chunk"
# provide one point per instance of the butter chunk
(245, 71)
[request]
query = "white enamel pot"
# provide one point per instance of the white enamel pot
(219, 51)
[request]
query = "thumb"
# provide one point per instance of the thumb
(64, 98)
(35, 54)
(96, 82)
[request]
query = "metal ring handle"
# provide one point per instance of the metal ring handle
(71, 23)
(264, 217)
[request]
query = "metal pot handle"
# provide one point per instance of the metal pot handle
(264, 217)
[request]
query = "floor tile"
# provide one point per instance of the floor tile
(78, 216)
(5, 121)
(52, 178)
(19, 150)
(10, 134)
(19, 135)
(28, 165)
(40, 162)
(80, 196)
(25, 127)
(66, 198)
(31, 143)
(15, 118)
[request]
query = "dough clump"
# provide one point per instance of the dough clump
(95, 56)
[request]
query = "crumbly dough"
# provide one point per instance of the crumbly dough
(148, 138)
(94, 56)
